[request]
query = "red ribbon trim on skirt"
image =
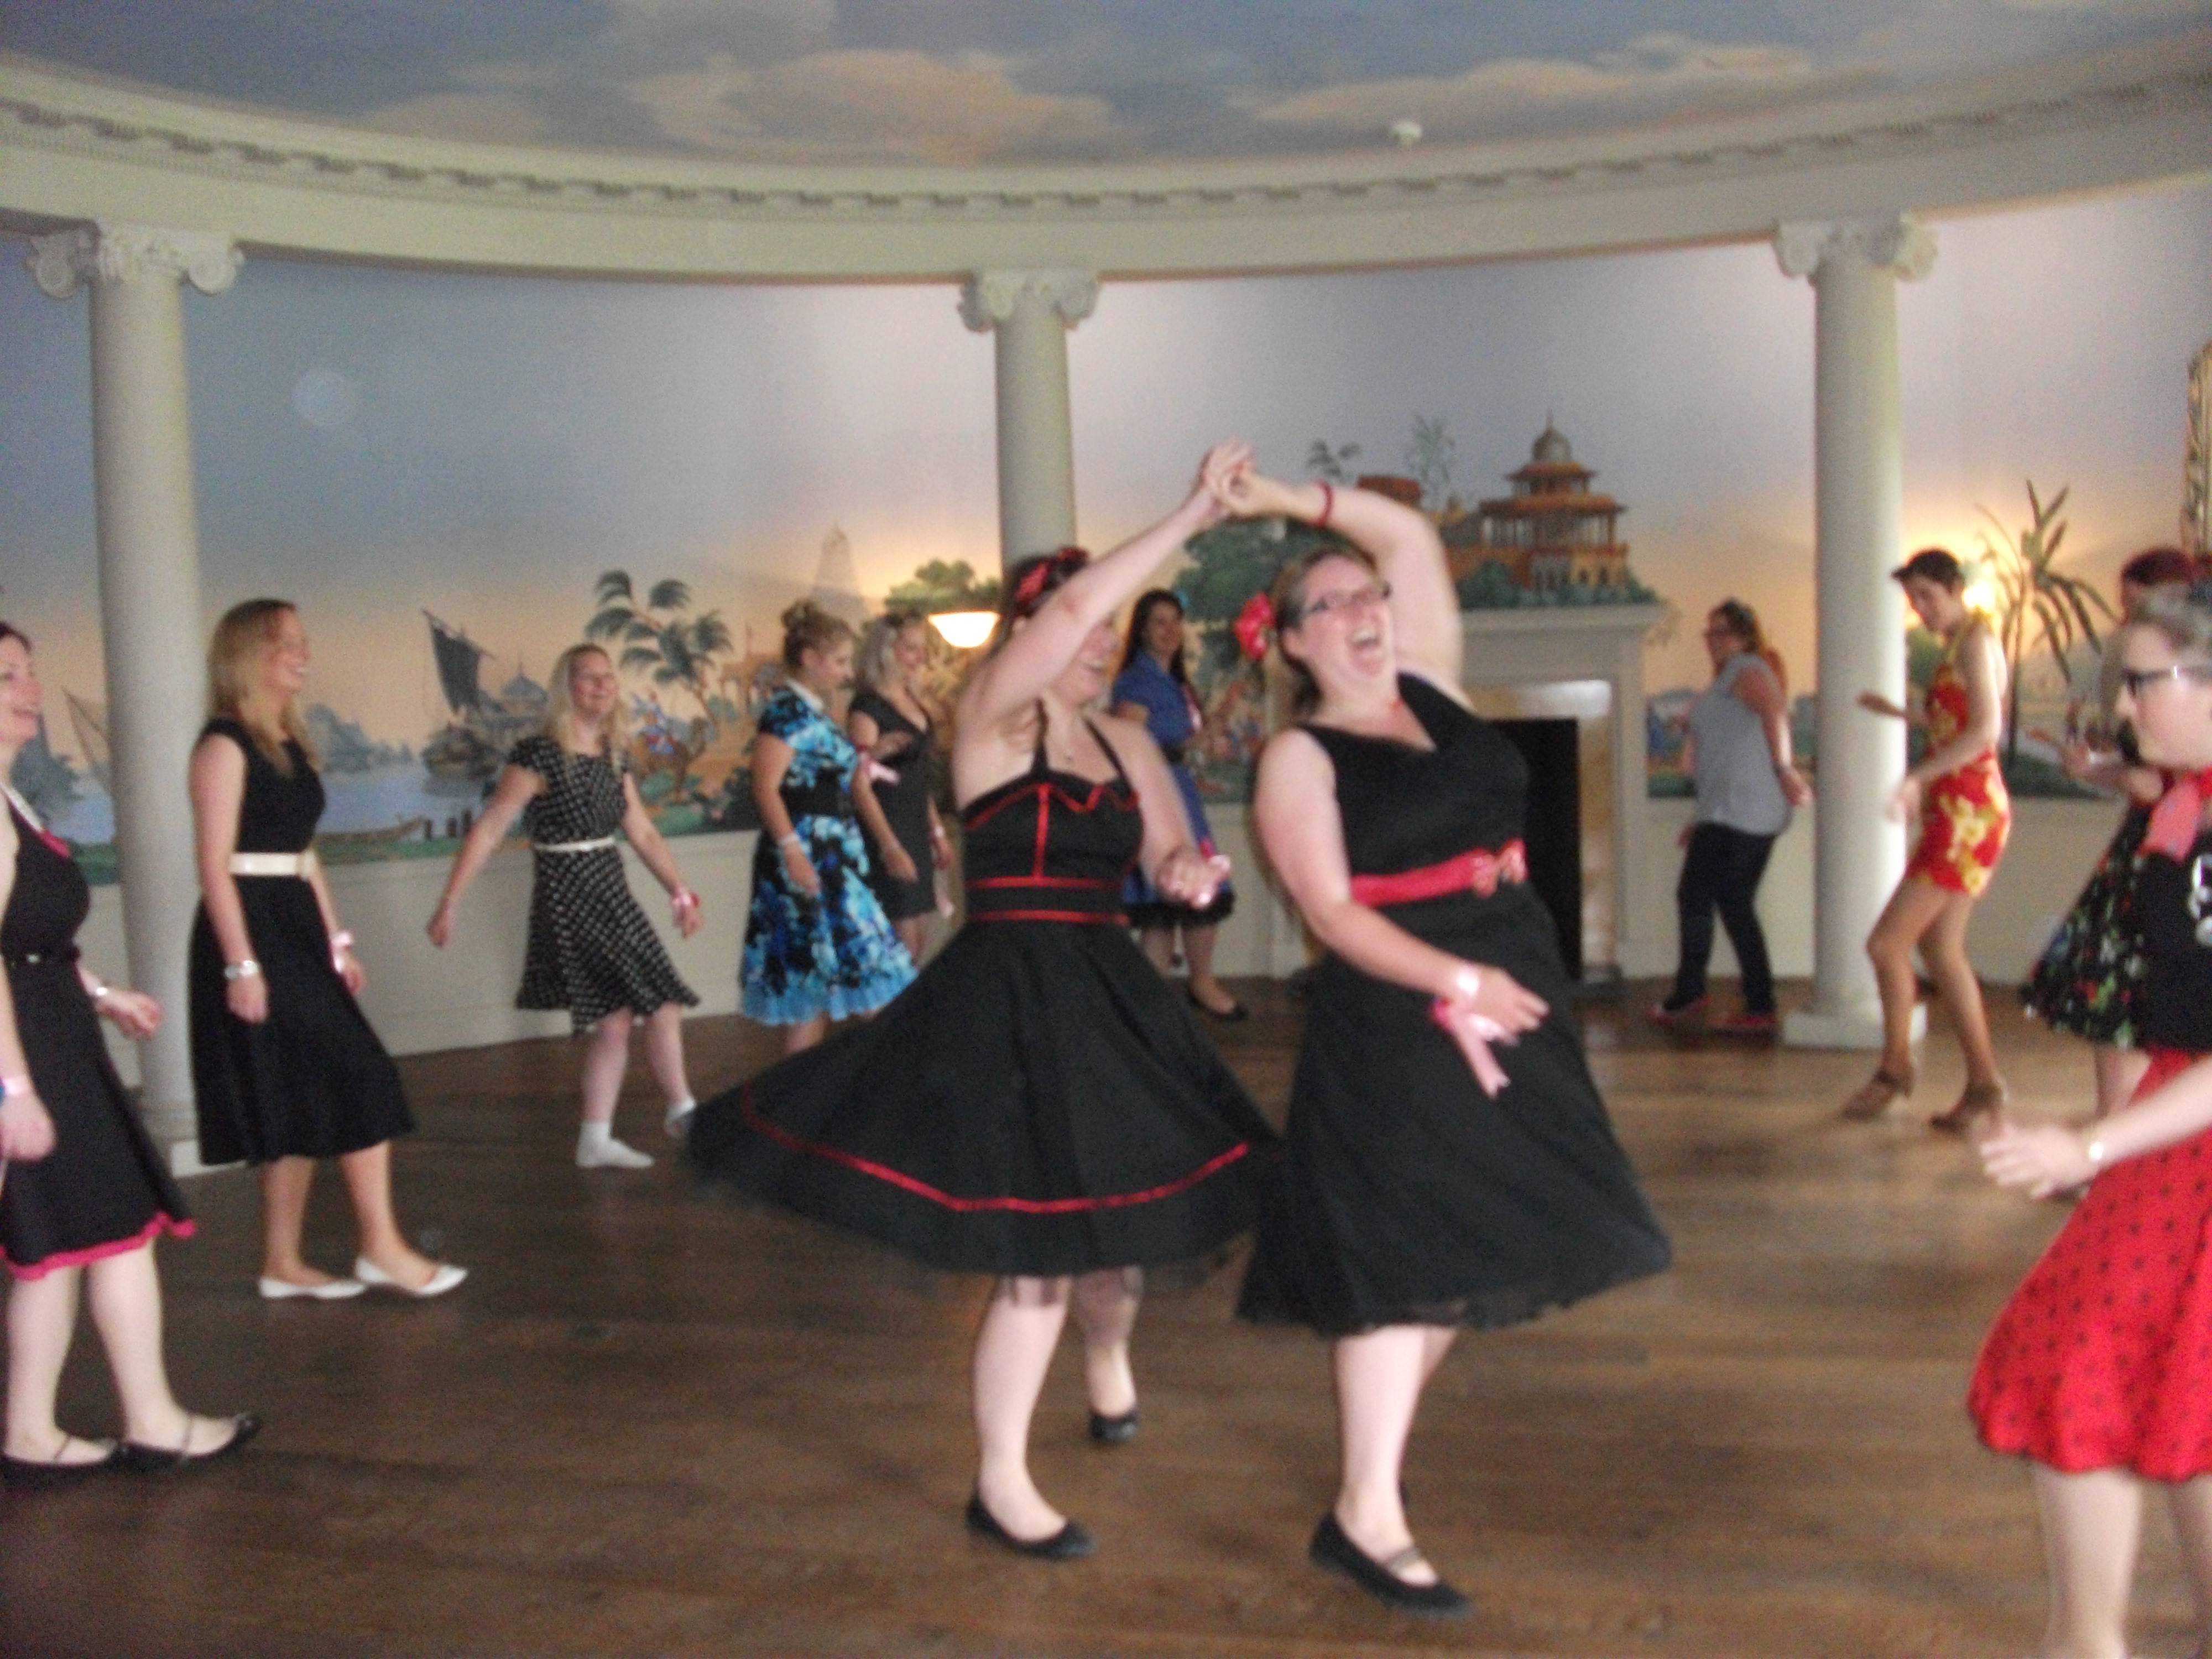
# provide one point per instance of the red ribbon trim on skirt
(967, 1205)
(1111, 919)
(1479, 871)
(161, 1223)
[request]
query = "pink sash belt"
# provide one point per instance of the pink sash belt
(1479, 871)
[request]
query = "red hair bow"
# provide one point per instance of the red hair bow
(1063, 563)
(1255, 626)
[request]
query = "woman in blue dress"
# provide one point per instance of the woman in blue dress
(1154, 690)
(818, 944)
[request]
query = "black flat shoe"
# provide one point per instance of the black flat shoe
(1229, 1016)
(1114, 1430)
(1331, 1550)
(30, 1474)
(142, 1459)
(1070, 1543)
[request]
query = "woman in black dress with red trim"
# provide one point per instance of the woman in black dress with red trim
(1038, 1105)
(83, 1192)
(1434, 1182)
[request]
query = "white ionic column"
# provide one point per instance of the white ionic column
(1031, 312)
(1859, 466)
(151, 627)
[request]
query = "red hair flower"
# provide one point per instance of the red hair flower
(1255, 626)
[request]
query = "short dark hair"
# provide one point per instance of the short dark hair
(2154, 567)
(1932, 564)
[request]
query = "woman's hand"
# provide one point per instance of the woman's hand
(135, 1013)
(683, 905)
(2043, 1157)
(26, 1133)
(1189, 877)
(1904, 804)
(248, 998)
(1796, 788)
(798, 869)
(1874, 703)
(441, 929)
(900, 863)
(940, 847)
(1247, 493)
(1494, 995)
(350, 969)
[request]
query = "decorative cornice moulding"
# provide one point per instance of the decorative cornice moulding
(74, 148)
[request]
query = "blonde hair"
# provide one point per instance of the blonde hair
(807, 627)
(876, 665)
(561, 706)
(234, 689)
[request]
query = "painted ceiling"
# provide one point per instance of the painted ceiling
(972, 83)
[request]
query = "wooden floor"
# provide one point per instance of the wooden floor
(658, 1424)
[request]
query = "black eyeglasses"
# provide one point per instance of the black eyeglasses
(2136, 681)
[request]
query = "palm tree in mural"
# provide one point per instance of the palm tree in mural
(661, 638)
(2038, 607)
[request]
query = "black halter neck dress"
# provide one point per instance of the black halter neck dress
(1414, 1198)
(1039, 1101)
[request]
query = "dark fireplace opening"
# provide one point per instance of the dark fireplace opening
(1553, 830)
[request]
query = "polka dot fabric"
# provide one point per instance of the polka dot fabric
(2103, 1358)
(592, 950)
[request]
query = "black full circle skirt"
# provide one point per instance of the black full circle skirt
(1414, 1198)
(1038, 1102)
(310, 1081)
(104, 1189)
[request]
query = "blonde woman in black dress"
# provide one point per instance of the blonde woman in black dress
(83, 1193)
(890, 723)
(592, 950)
(285, 1067)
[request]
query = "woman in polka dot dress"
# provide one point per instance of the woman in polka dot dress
(592, 950)
(2100, 1369)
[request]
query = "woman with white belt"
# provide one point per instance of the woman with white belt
(284, 1064)
(591, 949)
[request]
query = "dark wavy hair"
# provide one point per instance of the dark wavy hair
(1134, 648)
(2155, 567)
(1030, 582)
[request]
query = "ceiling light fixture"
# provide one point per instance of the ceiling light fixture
(964, 630)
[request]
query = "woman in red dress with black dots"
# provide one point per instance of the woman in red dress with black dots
(2100, 1369)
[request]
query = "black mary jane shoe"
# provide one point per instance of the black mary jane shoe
(142, 1459)
(1332, 1550)
(1070, 1543)
(1229, 1016)
(31, 1474)
(1114, 1430)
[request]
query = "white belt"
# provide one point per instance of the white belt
(599, 845)
(301, 865)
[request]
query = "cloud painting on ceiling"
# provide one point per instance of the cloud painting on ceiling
(980, 82)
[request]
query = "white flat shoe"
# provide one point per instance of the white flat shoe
(612, 1155)
(283, 1290)
(445, 1279)
(679, 1121)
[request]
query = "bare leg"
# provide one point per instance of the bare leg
(2193, 1524)
(604, 1062)
(1158, 944)
(1379, 1377)
(805, 1034)
(125, 1295)
(664, 1052)
(1198, 948)
(285, 1185)
(2118, 1072)
(913, 934)
(1106, 1310)
(1911, 911)
(368, 1182)
(1013, 1350)
(41, 1319)
(2091, 1526)
(1944, 949)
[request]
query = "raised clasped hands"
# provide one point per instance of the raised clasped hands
(2042, 1157)
(1190, 878)
(1221, 475)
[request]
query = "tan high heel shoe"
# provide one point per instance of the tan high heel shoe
(1979, 1098)
(1878, 1094)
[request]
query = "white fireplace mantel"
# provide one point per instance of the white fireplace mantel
(1545, 645)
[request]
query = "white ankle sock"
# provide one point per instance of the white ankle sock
(597, 1148)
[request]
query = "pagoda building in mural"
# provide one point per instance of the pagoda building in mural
(1554, 531)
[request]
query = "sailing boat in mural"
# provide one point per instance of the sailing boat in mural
(485, 725)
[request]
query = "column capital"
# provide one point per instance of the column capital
(108, 252)
(1887, 241)
(989, 298)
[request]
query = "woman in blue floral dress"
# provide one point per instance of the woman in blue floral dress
(818, 944)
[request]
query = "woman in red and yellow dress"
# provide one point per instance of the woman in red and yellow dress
(1965, 816)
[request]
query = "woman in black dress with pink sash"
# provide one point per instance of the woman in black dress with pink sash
(83, 1192)
(1038, 1104)
(1451, 1162)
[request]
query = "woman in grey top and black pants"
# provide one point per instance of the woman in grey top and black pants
(1738, 755)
